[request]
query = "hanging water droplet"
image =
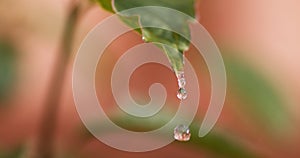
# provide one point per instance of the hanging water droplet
(182, 133)
(181, 94)
(181, 79)
(181, 82)
(180, 74)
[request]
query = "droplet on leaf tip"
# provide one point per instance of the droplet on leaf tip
(181, 94)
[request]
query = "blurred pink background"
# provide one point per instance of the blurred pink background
(265, 33)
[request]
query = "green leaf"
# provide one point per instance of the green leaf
(262, 101)
(216, 142)
(106, 4)
(173, 44)
(17, 152)
(7, 69)
(186, 6)
(221, 144)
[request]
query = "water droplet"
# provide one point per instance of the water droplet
(144, 39)
(182, 133)
(180, 74)
(181, 80)
(181, 94)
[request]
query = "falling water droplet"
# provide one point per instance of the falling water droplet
(181, 94)
(182, 133)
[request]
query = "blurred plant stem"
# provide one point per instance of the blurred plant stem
(45, 140)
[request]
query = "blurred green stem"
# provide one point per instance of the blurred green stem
(49, 116)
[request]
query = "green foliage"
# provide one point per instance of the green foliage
(261, 99)
(7, 68)
(173, 44)
(215, 142)
(15, 153)
(220, 144)
(106, 4)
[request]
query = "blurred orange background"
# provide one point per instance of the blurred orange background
(262, 34)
